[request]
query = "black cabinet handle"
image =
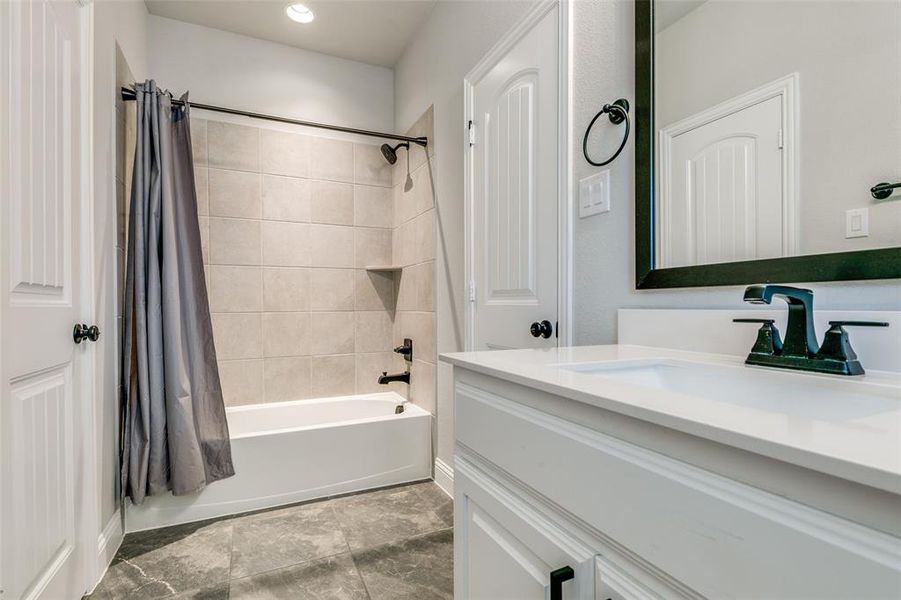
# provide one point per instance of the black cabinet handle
(558, 578)
(543, 329)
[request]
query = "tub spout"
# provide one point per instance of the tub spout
(385, 379)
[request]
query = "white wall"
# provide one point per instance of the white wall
(122, 23)
(843, 150)
(235, 71)
(604, 244)
(430, 72)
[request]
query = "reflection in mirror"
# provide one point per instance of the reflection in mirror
(774, 120)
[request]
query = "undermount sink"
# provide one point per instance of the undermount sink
(821, 397)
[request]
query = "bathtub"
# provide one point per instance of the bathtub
(293, 451)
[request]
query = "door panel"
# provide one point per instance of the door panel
(43, 499)
(514, 187)
(722, 200)
(42, 192)
(510, 179)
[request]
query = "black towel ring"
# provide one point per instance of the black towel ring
(617, 113)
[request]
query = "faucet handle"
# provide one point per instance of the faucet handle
(837, 347)
(840, 324)
(768, 339)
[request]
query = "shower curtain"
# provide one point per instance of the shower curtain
(175, 436)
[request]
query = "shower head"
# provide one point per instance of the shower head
(390, 153)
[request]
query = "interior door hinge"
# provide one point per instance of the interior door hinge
(472, 133)
(472, 291)
(781, 140)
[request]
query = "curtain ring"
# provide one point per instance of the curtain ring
(617, 113)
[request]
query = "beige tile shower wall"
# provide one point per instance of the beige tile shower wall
(289, 222)
(414, 249)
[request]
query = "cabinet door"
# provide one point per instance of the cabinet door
(506, 550)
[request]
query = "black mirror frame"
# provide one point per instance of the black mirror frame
(883, 263)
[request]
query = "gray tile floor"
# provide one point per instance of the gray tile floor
(393, 544)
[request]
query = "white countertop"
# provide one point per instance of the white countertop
(859, 441)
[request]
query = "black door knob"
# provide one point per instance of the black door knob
(83, 332)
(543, 329)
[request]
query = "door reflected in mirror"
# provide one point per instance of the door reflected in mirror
(773, 121)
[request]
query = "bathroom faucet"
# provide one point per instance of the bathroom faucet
(800, 335)
(800, 350)
(385, 379)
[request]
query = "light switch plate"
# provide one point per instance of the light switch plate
(594, 194)
(857, 223)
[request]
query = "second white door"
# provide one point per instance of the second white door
(43, 482)
(725, 183)
(513, 185)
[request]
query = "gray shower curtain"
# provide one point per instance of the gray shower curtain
(175, 436)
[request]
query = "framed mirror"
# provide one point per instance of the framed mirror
(768, 139)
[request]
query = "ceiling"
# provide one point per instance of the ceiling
(370, 31)
(668, 12)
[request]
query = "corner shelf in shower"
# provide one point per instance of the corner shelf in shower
(384, 269)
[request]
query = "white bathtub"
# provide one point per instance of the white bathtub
(293, 451)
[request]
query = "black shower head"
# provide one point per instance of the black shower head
(390, 153)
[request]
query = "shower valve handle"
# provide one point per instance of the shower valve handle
(406, 350)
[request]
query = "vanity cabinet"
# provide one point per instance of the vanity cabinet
(538, 487)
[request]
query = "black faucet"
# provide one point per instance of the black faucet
(800, 349)
(385, 379)
(800, 335)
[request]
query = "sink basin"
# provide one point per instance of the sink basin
(821, 397)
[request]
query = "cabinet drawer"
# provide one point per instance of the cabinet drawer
(505, 550)
(717, 536)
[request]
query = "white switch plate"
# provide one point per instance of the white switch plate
(857, 223)
(594, 194)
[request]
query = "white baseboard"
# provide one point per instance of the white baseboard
(444, 477)
(108, 543)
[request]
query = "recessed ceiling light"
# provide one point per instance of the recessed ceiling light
(300, 13)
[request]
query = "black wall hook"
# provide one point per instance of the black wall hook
(617, 113)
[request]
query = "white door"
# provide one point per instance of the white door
(512, 182)
(505, 551)
(725, 190)
(41, 439)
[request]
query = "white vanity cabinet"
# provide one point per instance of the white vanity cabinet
(543, 482)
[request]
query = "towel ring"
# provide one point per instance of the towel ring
(617, 113)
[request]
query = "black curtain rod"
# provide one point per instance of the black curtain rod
(128, 95)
